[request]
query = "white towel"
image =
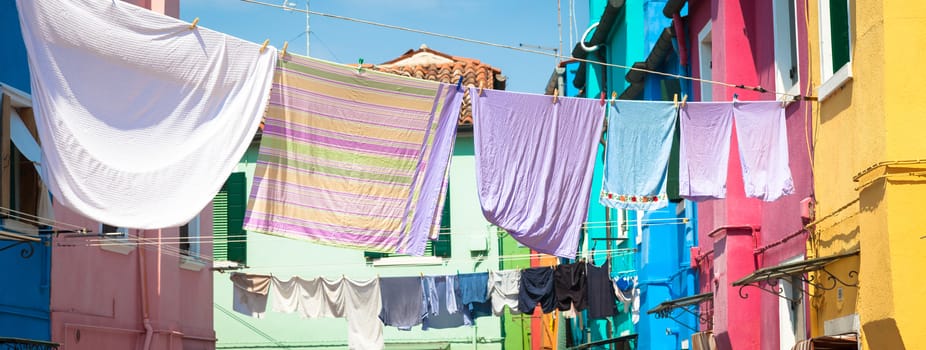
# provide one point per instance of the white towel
(504, 288)
(358, 302)
(140, 118)
(761, 131)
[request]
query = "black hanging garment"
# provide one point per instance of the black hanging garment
(569, 281)
(601, 299)
(537, 287)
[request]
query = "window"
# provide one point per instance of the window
(835, 45)
(189, 238)
(436, 248)
(791, 310)
(110, 231)
(705, 60)
(228, 207)
(786, 64)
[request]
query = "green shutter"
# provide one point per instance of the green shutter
(441, 247)
(228, 210)
(839, 33)
(220, 226)
(669, 88)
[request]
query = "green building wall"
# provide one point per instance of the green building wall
(284, 258)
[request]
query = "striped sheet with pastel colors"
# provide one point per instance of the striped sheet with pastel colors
(353, 158)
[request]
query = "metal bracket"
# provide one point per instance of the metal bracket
(773, 287)
(26, 251)
(702, 318)
(833, 281)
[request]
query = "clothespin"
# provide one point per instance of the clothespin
(675, 100)
(736, 97)
(480, 88)
(264, 46)
(613, 96)
(193, 25)
(555, 94)
(359, 65)
(684, 99)
(460, 84)
(602, 98)
(285, 45)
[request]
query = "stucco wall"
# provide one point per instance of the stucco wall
(284, 258)
(98, 292)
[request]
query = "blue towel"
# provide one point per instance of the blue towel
(473, 288)
(637, 155)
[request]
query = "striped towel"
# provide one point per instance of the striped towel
(353, 159)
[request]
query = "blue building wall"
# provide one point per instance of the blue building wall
(668, 233)
(25, 268)
(661, 263)
(14, 70)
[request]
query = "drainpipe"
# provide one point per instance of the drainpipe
(754, 232)
(144, 296)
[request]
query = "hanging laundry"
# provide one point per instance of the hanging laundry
(704, 152)
(353, 159)
(364, 329)
(637, 155)
(443, 306)
(534, 165)
(402, 302)
(537, 288)
(250, 294)
(571, 286)
(625, 291)
(358, 302)
(504, 287)
(312, 298)
(601, 302)
(762, 135)
(473, 289)
(140, 119)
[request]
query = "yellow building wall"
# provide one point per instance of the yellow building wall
(876, 119)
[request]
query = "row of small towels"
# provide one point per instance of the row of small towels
(434, 302)
(545, 204)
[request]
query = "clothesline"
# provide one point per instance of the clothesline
(38, 220)
(116, 240)
(759, 89)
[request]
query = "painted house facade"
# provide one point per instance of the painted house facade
(82, 284)
(736, 239)
(867, 169)
(743, 239)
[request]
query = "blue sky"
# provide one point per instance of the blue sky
(508, 22)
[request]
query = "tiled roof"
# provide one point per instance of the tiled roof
(428, 64)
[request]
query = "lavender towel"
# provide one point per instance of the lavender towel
(637, 156)
(763, 146)
(704, 151)
(534, 165)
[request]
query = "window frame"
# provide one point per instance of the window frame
(191, 239)
(832, 80)
(120, 244)
(787, 48)
(706, 47)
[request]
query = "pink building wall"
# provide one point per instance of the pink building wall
(744, 53)
(98, 299)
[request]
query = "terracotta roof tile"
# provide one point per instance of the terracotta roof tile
(425, 63)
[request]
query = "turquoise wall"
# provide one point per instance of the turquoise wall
(284, 258)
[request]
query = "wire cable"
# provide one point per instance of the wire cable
(522, 49)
